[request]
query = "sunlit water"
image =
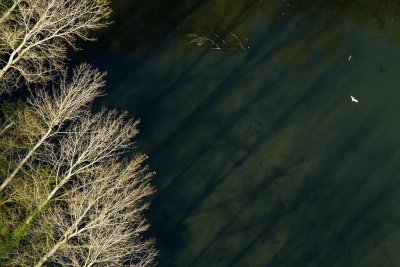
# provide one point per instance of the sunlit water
(261, 157)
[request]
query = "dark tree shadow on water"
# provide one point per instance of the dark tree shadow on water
(261, 158)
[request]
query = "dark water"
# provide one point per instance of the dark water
(262, 159)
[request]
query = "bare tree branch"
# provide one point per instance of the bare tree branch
(99, 222)
(102, 225)
(48, 112)
(34, 40)
(8, 8)
(90, 142)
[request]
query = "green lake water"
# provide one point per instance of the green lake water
(261, 157)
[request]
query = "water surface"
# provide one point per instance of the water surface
(262, 159)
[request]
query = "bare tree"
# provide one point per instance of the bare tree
(79, 203)
(97, 222)
(47, 112)
(77, 169)
(100, 221)
(34, 40)
(88, 184)
(87, 144)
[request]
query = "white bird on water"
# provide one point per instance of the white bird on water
(353, 99)
(350, 59)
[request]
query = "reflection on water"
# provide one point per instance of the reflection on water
(262, 158)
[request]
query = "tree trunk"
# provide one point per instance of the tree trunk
(24, 160)
(51, 252)
(8, 12)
